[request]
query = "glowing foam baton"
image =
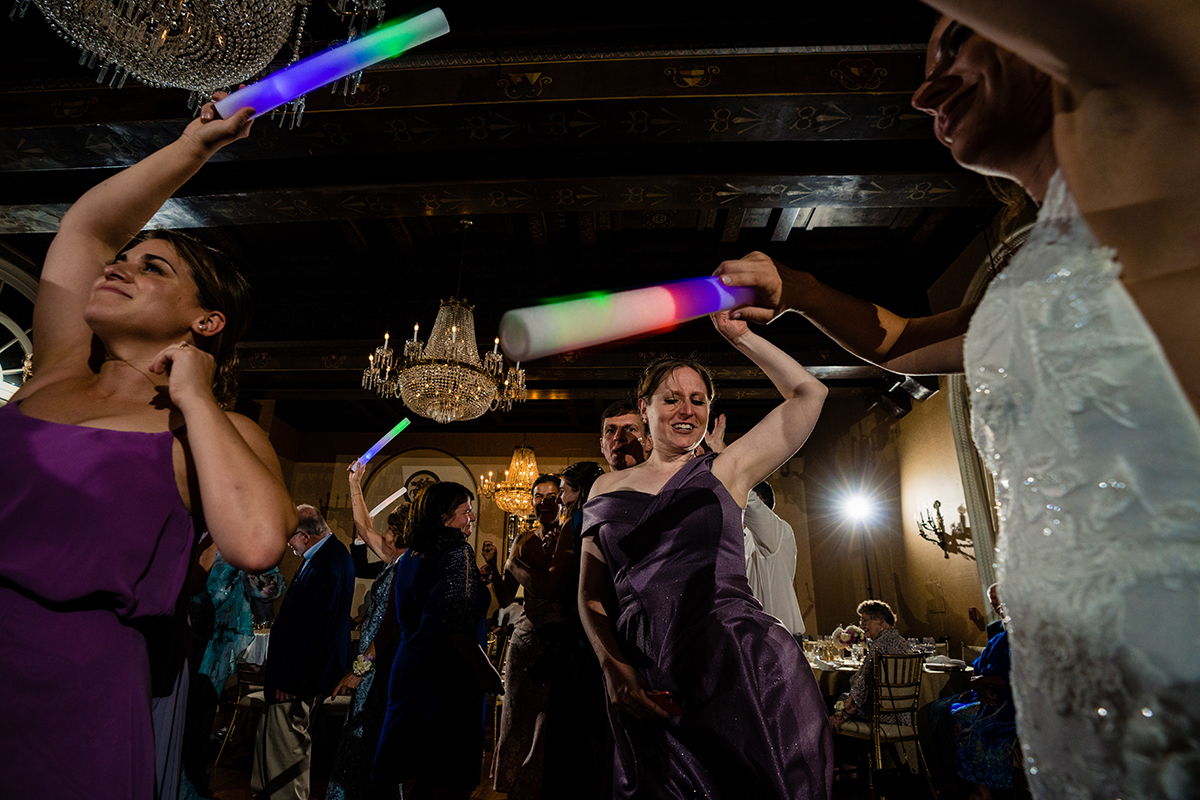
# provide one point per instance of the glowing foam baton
(383, 442)
(536, 331)
(328, 66)
(394, 496)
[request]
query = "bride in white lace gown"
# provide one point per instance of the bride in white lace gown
(1084, 362)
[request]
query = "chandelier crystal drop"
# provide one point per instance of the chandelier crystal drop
(201, 45)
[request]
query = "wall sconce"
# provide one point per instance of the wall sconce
(932, 528)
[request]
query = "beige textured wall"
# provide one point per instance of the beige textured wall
(905, 464)
(941, 589)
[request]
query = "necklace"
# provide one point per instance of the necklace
(108, 357)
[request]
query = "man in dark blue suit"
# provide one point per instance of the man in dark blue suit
(308, 653)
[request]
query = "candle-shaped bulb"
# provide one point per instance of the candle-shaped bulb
(453, 334)
(496, 346)
(385, 339)
(415, 329)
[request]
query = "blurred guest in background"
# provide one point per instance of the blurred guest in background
(877, 621)
(432, 738)
(770, 549)
(350, 777)
(222, 629)
(978, 729)
(308, 652)
(540, 561)
(578, 740)
(624, 440)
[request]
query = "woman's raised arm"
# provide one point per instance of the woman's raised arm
(363, 524)
(106, 219)
(781, 433)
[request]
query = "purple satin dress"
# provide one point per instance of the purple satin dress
(754, 723)
(93, 538)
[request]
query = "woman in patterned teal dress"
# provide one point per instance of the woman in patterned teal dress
(351, 776)
(222, 629)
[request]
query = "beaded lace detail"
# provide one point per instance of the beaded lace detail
(1096, 455)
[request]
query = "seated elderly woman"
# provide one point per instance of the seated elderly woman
(876, 619)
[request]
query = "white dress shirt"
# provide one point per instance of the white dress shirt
(771, 563)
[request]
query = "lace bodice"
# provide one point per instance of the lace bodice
(1096, 455)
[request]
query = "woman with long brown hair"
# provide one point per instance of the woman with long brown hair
(116, 452)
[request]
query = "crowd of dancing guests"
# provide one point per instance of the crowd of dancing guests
(122, 460)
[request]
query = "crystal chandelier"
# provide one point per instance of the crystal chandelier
(445, 379)
(512, 495)
(201, 45)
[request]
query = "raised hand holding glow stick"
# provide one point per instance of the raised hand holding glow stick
(382, 443)
(391, 498)
(322, 69)
(537, 331)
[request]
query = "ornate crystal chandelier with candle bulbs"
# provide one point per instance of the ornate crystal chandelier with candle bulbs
(444, 379)
(189, 44)
(512, 495)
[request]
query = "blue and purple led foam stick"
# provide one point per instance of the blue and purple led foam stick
(328, 66)
(537, 331)
(383, 442)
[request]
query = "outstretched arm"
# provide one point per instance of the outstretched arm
(364, 526)
(103, 221)
(781, 433)
(918, 346)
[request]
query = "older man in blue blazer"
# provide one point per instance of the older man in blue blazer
(308, 653)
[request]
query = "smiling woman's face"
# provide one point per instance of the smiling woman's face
(990, 107)
(461, 518)
(678, 410)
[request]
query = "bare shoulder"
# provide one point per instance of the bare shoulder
(617, 480)
(604, 484)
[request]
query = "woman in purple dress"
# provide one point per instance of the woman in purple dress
(115, 452)
(663, 552)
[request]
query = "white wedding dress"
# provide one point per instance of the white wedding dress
(1096, 455)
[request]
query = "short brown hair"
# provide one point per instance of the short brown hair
(619, 408)
(660, 369)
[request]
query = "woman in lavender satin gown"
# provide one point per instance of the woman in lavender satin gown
(115, 452)
(663, 551)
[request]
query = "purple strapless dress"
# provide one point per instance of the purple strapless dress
(754, 723)
(93, 538)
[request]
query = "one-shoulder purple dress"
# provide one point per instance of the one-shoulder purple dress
(93, 538)
(754, 723)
